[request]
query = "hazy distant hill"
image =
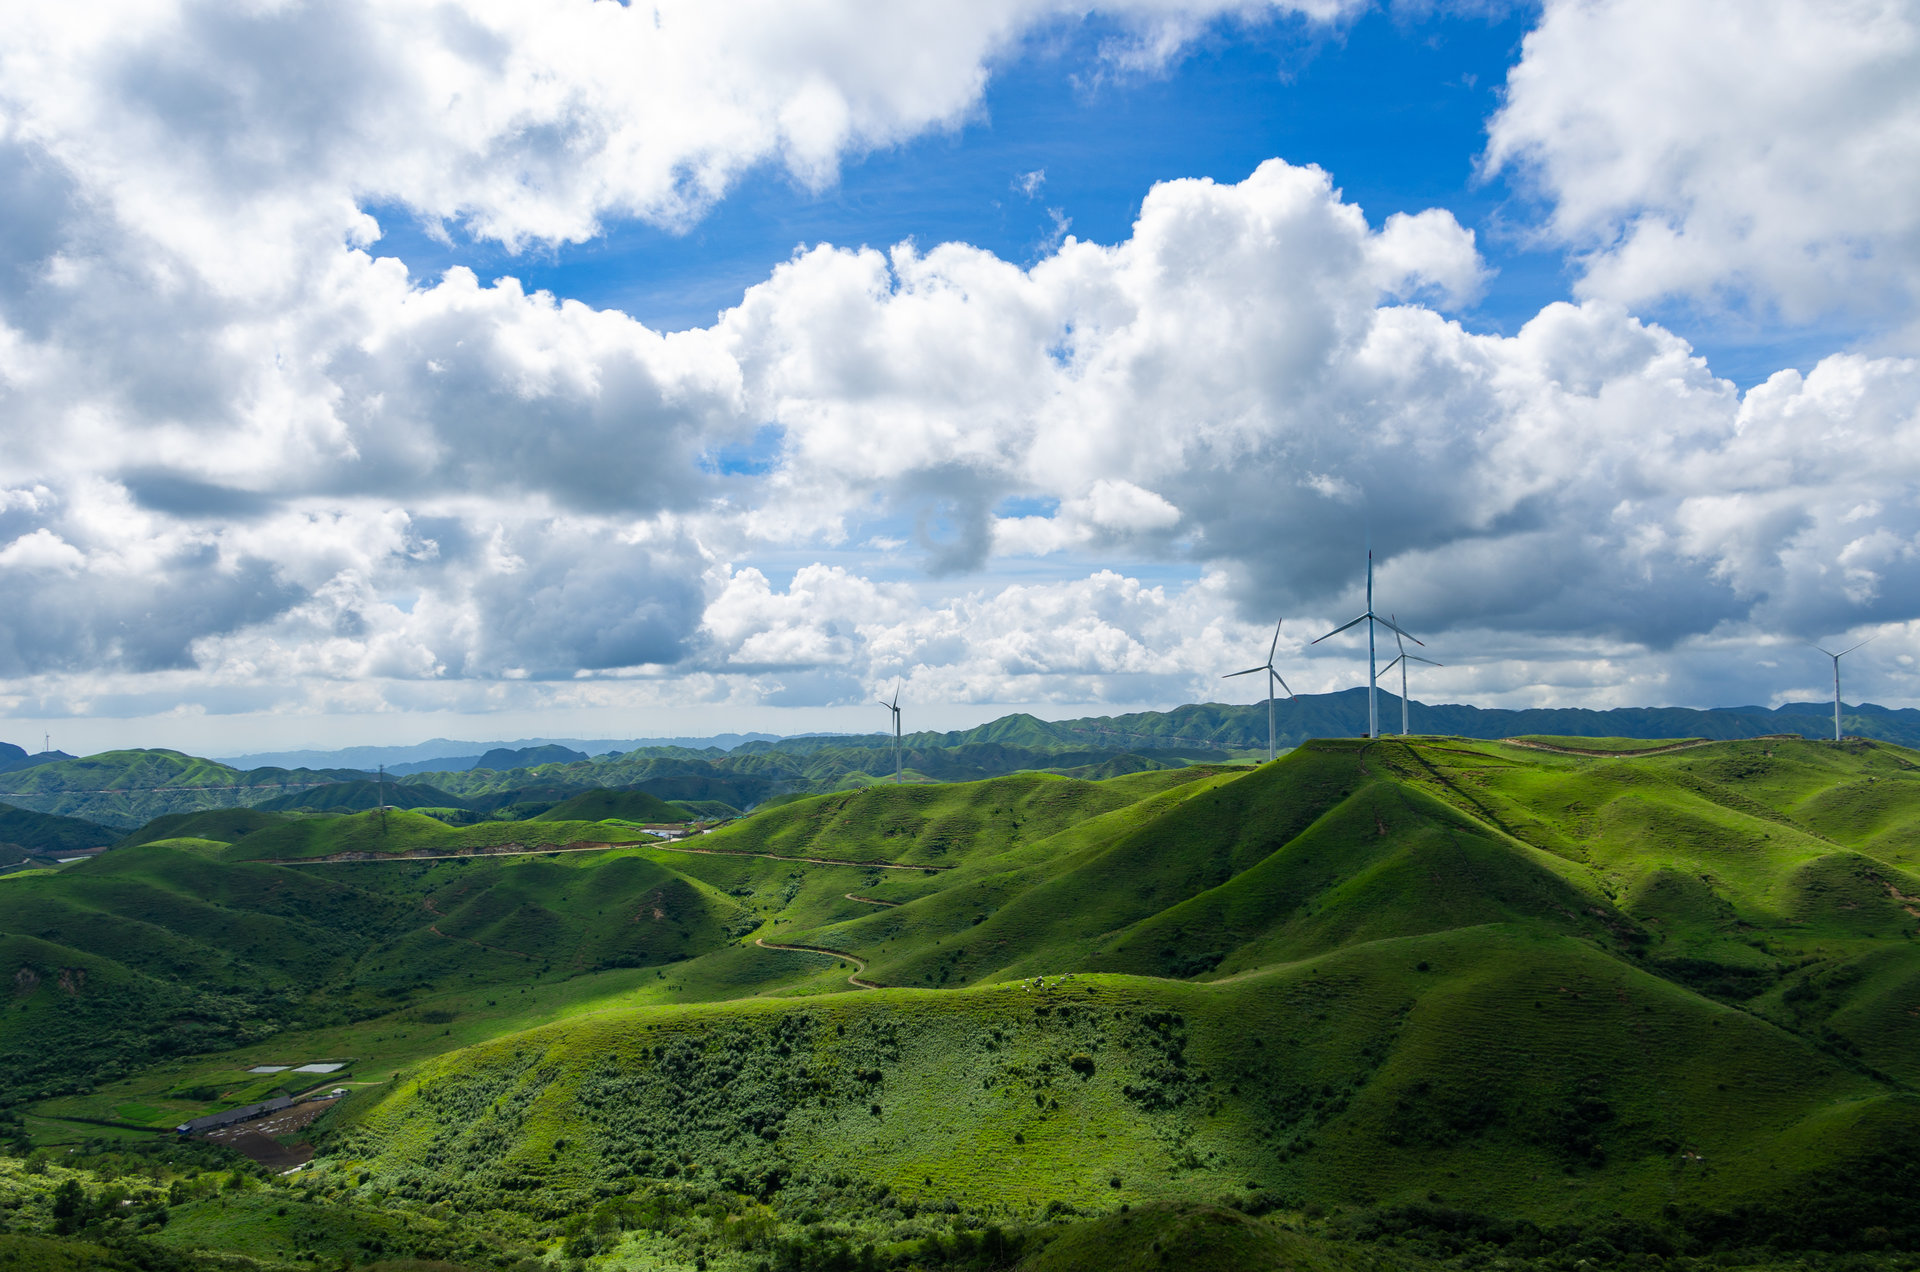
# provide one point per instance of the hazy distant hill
(13, 757)
(448, 755)
(1344, 714)
(125, 788)
(530, 757)
(755, 771)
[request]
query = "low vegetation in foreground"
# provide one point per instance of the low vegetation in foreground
(1406, 1004)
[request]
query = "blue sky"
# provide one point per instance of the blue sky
(1601, 321)
(1394, 105)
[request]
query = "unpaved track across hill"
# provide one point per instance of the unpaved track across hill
(859, 964)
(334, 859)
(812, 861)
(874, 901)
(1688, 745)
(339, 857)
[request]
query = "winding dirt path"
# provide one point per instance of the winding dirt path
(338, 857)
(1687, 745)
(859, 964)
(875, 901)
(811, 861)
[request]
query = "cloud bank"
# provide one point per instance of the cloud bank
(249, 464)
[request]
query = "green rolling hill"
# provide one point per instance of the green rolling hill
(126, 789)
(46, 835)
(1378, 973)
(602, 804)
(359, 797)
(1404, 999)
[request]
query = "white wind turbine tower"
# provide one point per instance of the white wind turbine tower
(894, 707)
(1836, 680)
(1272, 676)
(1403, 660)
(1372, 620)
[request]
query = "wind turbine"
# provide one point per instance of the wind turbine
(1836, 680)
(1372, 620)
(1403, 660)
(894, 707)
(1272, 676)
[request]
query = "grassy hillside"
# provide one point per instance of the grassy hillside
(600, 805)
(360, 796)
(126, 789)
(47, 835)
(1443, 999)
(400, 832)
(1357, 1077)
(221, 825)
(1405, 962)
(938, 824)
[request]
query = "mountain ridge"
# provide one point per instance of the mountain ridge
(123, 789)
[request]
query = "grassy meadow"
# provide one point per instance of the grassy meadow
(1408, 1003)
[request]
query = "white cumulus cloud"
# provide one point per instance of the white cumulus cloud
(1759, 153)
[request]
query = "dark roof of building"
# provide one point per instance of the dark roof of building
(245, 1113)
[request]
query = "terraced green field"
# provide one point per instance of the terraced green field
(1429, 1001)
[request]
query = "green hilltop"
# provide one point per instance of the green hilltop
(44, 835)
(126, 789)
(1435, 1001)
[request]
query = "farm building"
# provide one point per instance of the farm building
(245, 1113)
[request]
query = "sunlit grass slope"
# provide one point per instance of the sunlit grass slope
(1532, 1073)
(1756, 870)
(397, 831)
(1522, 981)
(1567, 983)
(225, 825)
(172, 912)
(598, 805)
(938, 824)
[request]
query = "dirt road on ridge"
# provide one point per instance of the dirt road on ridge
(859, 964)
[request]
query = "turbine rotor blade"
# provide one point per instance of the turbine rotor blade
(1343, 627)
(1283, 684)
(1248, 672)
(1275, 647)
(1868, 641)
(1397, 631)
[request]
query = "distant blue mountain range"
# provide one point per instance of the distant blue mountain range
(444, 755)
(14, 757)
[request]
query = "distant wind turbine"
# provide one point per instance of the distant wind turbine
(894, 707)
(1836, 680)
(1372, 620)
(1403, 660)
(1272, 676)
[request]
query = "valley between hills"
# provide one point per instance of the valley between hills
(1433, 1002)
